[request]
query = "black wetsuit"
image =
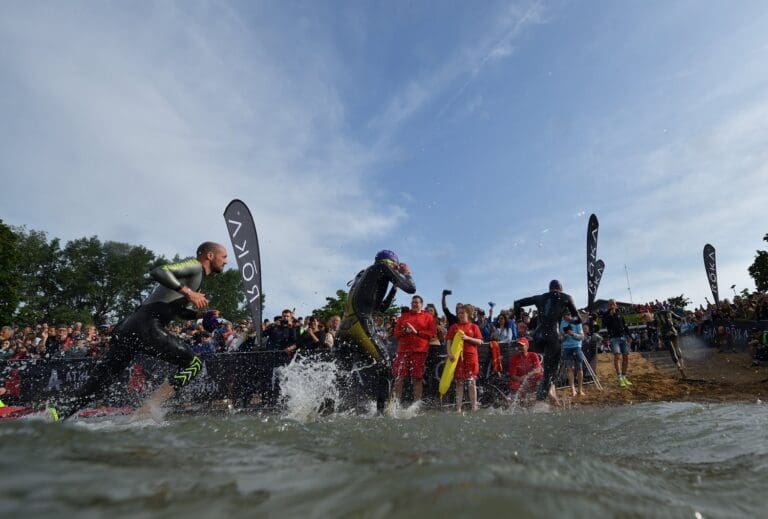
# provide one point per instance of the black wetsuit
(552, 306)
(357, 332)
(144, 332)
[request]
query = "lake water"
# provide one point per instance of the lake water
(648, 460)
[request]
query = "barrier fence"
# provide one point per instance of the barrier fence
(237, 376)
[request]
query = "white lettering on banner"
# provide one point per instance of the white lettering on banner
(253, 270)
(54, 384)
(254, 288)
(248, 269)
(239, 224)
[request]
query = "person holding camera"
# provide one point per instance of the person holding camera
(283, 336)
(572, 337)
(450, 317)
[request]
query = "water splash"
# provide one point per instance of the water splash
(308, 387)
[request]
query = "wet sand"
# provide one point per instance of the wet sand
(712, 377)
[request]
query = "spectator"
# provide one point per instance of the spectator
(505, 330)
(310, 341)
(618, 331)
(331, 328)
(59, 344)
(758, 346)
(6, 333)
(525, 371)
(6, 351)
(572, 355)
(283, 335)
(723, 339)
(468, 365)
(438, 339)
(204, 345)
(414, 330)
(449, 317)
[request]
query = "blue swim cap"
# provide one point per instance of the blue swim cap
(555, 285)
(387, 255)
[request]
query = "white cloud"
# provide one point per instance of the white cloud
(142, 127)
(491, 45)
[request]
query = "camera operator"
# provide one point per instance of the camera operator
(283, 335)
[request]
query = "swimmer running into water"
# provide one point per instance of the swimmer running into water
(552, 306)
(357, 332)
(176, 295)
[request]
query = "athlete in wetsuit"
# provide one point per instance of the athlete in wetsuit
(357, 332)
(552, 306)
(667, 323)
(176, 295)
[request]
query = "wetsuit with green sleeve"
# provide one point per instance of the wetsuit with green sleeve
(357, 332)
(144, 332)
(552, 306)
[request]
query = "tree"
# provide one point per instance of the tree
(10, 275)
(39, 272)
(87, 281)
(225, 293)
(759, 269)
(335, 306)
(679, 301)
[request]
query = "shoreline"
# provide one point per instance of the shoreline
(712, 378)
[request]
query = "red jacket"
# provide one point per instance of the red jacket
(470, 330)
(520, 365)
(425, 326)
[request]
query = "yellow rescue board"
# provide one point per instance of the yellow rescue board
(450, 365)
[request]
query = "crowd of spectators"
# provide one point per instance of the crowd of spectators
(288, 333)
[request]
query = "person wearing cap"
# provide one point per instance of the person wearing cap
(524, 370)
(357, 337)
(551, 306)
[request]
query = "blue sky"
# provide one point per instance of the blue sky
(473, 138)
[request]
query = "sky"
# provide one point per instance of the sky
(472, 138)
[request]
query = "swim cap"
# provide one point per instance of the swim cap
(555, 285)
(387, 255)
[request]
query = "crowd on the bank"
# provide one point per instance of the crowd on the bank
(215, 334)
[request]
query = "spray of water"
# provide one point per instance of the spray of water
(308, 386)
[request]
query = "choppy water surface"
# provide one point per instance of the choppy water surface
(651, 460)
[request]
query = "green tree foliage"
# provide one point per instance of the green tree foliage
(103, 281)
(39, 269)
(759, 269)
(10, 276)
(679, 301)
(225, 293)
(335, 306)
(87, 281)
